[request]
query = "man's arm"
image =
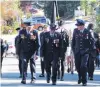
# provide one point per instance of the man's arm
(73, 41)
(42, 45)
(37, 43)
(92, 42)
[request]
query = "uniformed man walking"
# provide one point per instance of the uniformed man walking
(18, 51)
(41, 43)
(93, 53)
(82, 41)
(63, 49)
(51, 51)
(2, 50)
(29, 45)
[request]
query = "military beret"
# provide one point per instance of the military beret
(17, 28)
(27, 23)
(52, 26)
(80, 22)
(23, 31)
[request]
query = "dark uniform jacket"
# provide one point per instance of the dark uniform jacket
(82, 42)
(97, 43)
(51, 44)
(17, 44)
(28, 45)
(64, 43)
(41, 41)
(2, 48)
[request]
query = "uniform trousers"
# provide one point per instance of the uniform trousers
(51, 61)
(25, 59)
(81, 66)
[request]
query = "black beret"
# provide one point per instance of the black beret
(27, 23)
(23, 31)
(18, 28)
(52, 26)
(80, 22)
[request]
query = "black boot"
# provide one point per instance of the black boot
(79, 81)
(48, 80)
(23, 81)
(33, 80)
(54, 83)
(84, 84)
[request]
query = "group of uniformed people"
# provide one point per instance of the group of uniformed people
(52, 47)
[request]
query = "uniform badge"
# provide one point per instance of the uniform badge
(87, 36)
(56, 41)
(64, 38)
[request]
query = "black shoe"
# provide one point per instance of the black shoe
(72, 72)
(33, 80)
(48, 81)
(61, 79)
(23, 81)
(90, 78)
(79, 81)
(68, 70)
(84, 84)
(41, 75)
(53, 83)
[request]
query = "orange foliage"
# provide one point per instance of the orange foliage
(7, 9)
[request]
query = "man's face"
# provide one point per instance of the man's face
(53, 29)
(45, 29)
(81, 27)
(24, 27)
(28, 28)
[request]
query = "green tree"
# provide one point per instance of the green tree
(98, 19)
(65, 8)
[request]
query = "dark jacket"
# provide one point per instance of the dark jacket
(64, 43)
(41, 41)
(82, 42)
(28, 45)
(17, 44)
(2, 48)
(51, 44)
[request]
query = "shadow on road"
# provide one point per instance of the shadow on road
(69, 80)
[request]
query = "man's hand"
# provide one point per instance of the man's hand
(36, 57)
(33, 37)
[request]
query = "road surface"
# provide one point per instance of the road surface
(10, 76)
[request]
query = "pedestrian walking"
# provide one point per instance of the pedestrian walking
(82, 43)
(41, 58)
(51, 53)
(29, 46)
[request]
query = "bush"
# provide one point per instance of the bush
(97, 24)
(7, 30)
